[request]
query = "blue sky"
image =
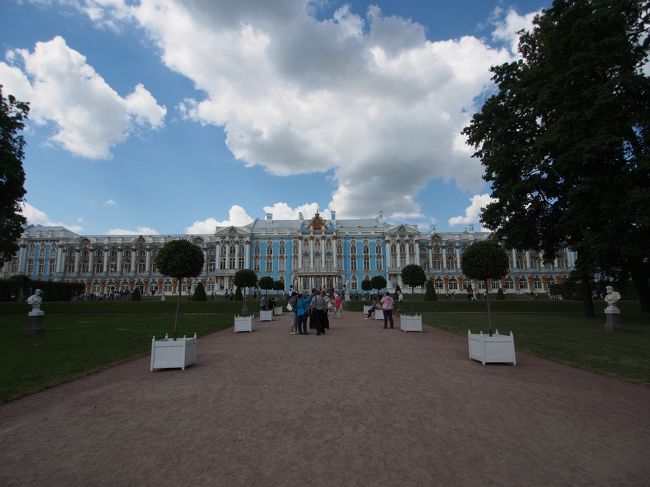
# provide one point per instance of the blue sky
(174, 116)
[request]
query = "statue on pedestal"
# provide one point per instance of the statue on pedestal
(36, 300)
(612, 312)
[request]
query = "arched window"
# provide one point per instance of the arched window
(438, 284)
(353, 246)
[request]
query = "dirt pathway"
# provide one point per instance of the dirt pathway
(360, 406)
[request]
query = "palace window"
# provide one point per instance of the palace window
(210, 287)
(96, 287)
(496, 284)
(212, 265)
(521, 262)
(366, 249)
(437, 264)
(537, 283)
(523, 283)
(222, 263)
(167, 286)
(281, 247)
(269, 265)
(402, 248)
(451, 262)
(380, 264)
(366, 263)
(84, 267)
(256, 264)
(126, 266)
(231, 262)
(52, 267)
(378, 246)
(142, 266)
(453, 284)
(510, 283)
(281, 264)
(41, 268)
(99, 267)
(353, 246)
(393, 248)
(241, 262)
(353, 263)
(70, 268)
(269, 247)
(256, 247)
(438, 284)
(339, 263)
(354, 283)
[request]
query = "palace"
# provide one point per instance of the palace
(302, 254)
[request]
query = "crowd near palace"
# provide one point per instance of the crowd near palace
(302, 253)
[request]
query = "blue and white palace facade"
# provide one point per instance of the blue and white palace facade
(303, 254)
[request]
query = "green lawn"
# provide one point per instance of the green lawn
(84, 337)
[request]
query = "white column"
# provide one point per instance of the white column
(22, 252)
(133, 252)
(456, 251)
(237, 256)
(147, 266)
(417, 253)
(59, 259)
(76, 261)
(91, 260)
(388, 256)
(430, 257)
(205, 260)
(444, 257)
(311, 255)
(247, 254)
(399, 255)
(105, 270)
(527, 254)
(119, 263)
(300, 254)
(322, 254)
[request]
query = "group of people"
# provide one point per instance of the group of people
(386, 304)
(267, 303)
(315, 307)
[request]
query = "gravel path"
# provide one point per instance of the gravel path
(360, 406)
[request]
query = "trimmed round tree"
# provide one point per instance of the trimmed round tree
(430, 294)
(245, 278)
(266, 283)
(135, 295)
(278, 285)
(413, 275)
(485, 260)
(378, 283)
(179, 259)
(366, 285)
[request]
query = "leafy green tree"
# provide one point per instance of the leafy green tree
(135, 295)
(13, 114)
(179, 259)
(278, 285)
(485, 260)
(245, 278)
(238, 294)
(413, 275)
(430, 294)
(378, 283)
(199, 293)
(266, 283)
(366, 285)
(565, 140)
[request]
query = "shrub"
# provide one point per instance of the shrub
(238, 294)
(135, 295)
(501, 295)
(199, 293)
(378, 283)
(430, 294)
(266, 283)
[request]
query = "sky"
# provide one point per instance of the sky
(176, 116)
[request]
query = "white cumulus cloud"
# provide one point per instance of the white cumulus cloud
(473, 211)
(37, 217)
(507, 27)
(282, 211)
(90, 117)
(237, 217)
(137, 231)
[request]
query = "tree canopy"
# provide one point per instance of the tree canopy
(13, 114)
(244, 278)
(378, 283)
(266, 283)
(564, 140)
(413, 275)
(485, 260)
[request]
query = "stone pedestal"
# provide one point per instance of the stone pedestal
(35, 324)
(613, 319)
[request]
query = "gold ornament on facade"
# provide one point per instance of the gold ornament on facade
(317, 223)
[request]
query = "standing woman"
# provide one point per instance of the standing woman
(387, 308)
(293, 304)
(302, 311)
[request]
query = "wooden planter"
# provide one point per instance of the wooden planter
(492, 349)
(266, 315)
(410, 323)
(173, 354)
(243, 323)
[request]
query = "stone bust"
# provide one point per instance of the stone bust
(36, 300)
(612, 297)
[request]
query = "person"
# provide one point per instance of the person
(470, 293)
(36, 300)
(373, 307)
(329, 305)
(318, 308)
(387, 307)
(293, 302)
(263, 303)
(338, 305)
(612, 297)
(302, 311)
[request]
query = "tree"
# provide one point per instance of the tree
(238, 294)
(199, 293)
(13, 114)
(430, 294)
(500, 295)
(366, 285)
(245, 278)
(378, 283)
(278, 285)
(485, 260)
(135, 295)
(565, 140)
(413, 275)
(266, 283)
(179, 259)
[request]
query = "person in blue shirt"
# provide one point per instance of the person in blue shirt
(302, 312)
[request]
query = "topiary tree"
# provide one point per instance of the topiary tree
(413, 275)
(238, 294)
(397, 289)
(135, 295)
(278, 285)
(179, 259)
(500, 295)
(485, 260)
(199, 293)
(245, 278)
(266, 283)
(378, 283)
(366, 285)
(430, 294)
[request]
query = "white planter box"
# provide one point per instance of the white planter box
(277, 311)
(379, 314)
(172, 354)
(410, 323)
(366, 308)
(492, 349)
(243, 323)
(266, 315)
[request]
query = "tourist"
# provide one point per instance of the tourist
(318, 310)
(387, 308)
(263, 303)
(373, 306)
(302, 311)
(292, 306)
(338, 305)
(329, 306)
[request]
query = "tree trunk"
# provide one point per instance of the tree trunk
(487, 299)
(640, 280)
(178, 310)
(412, 299)
(244, 308)
(586, 296)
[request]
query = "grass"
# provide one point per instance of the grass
(88, 336)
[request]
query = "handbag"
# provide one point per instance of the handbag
(289, 307)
